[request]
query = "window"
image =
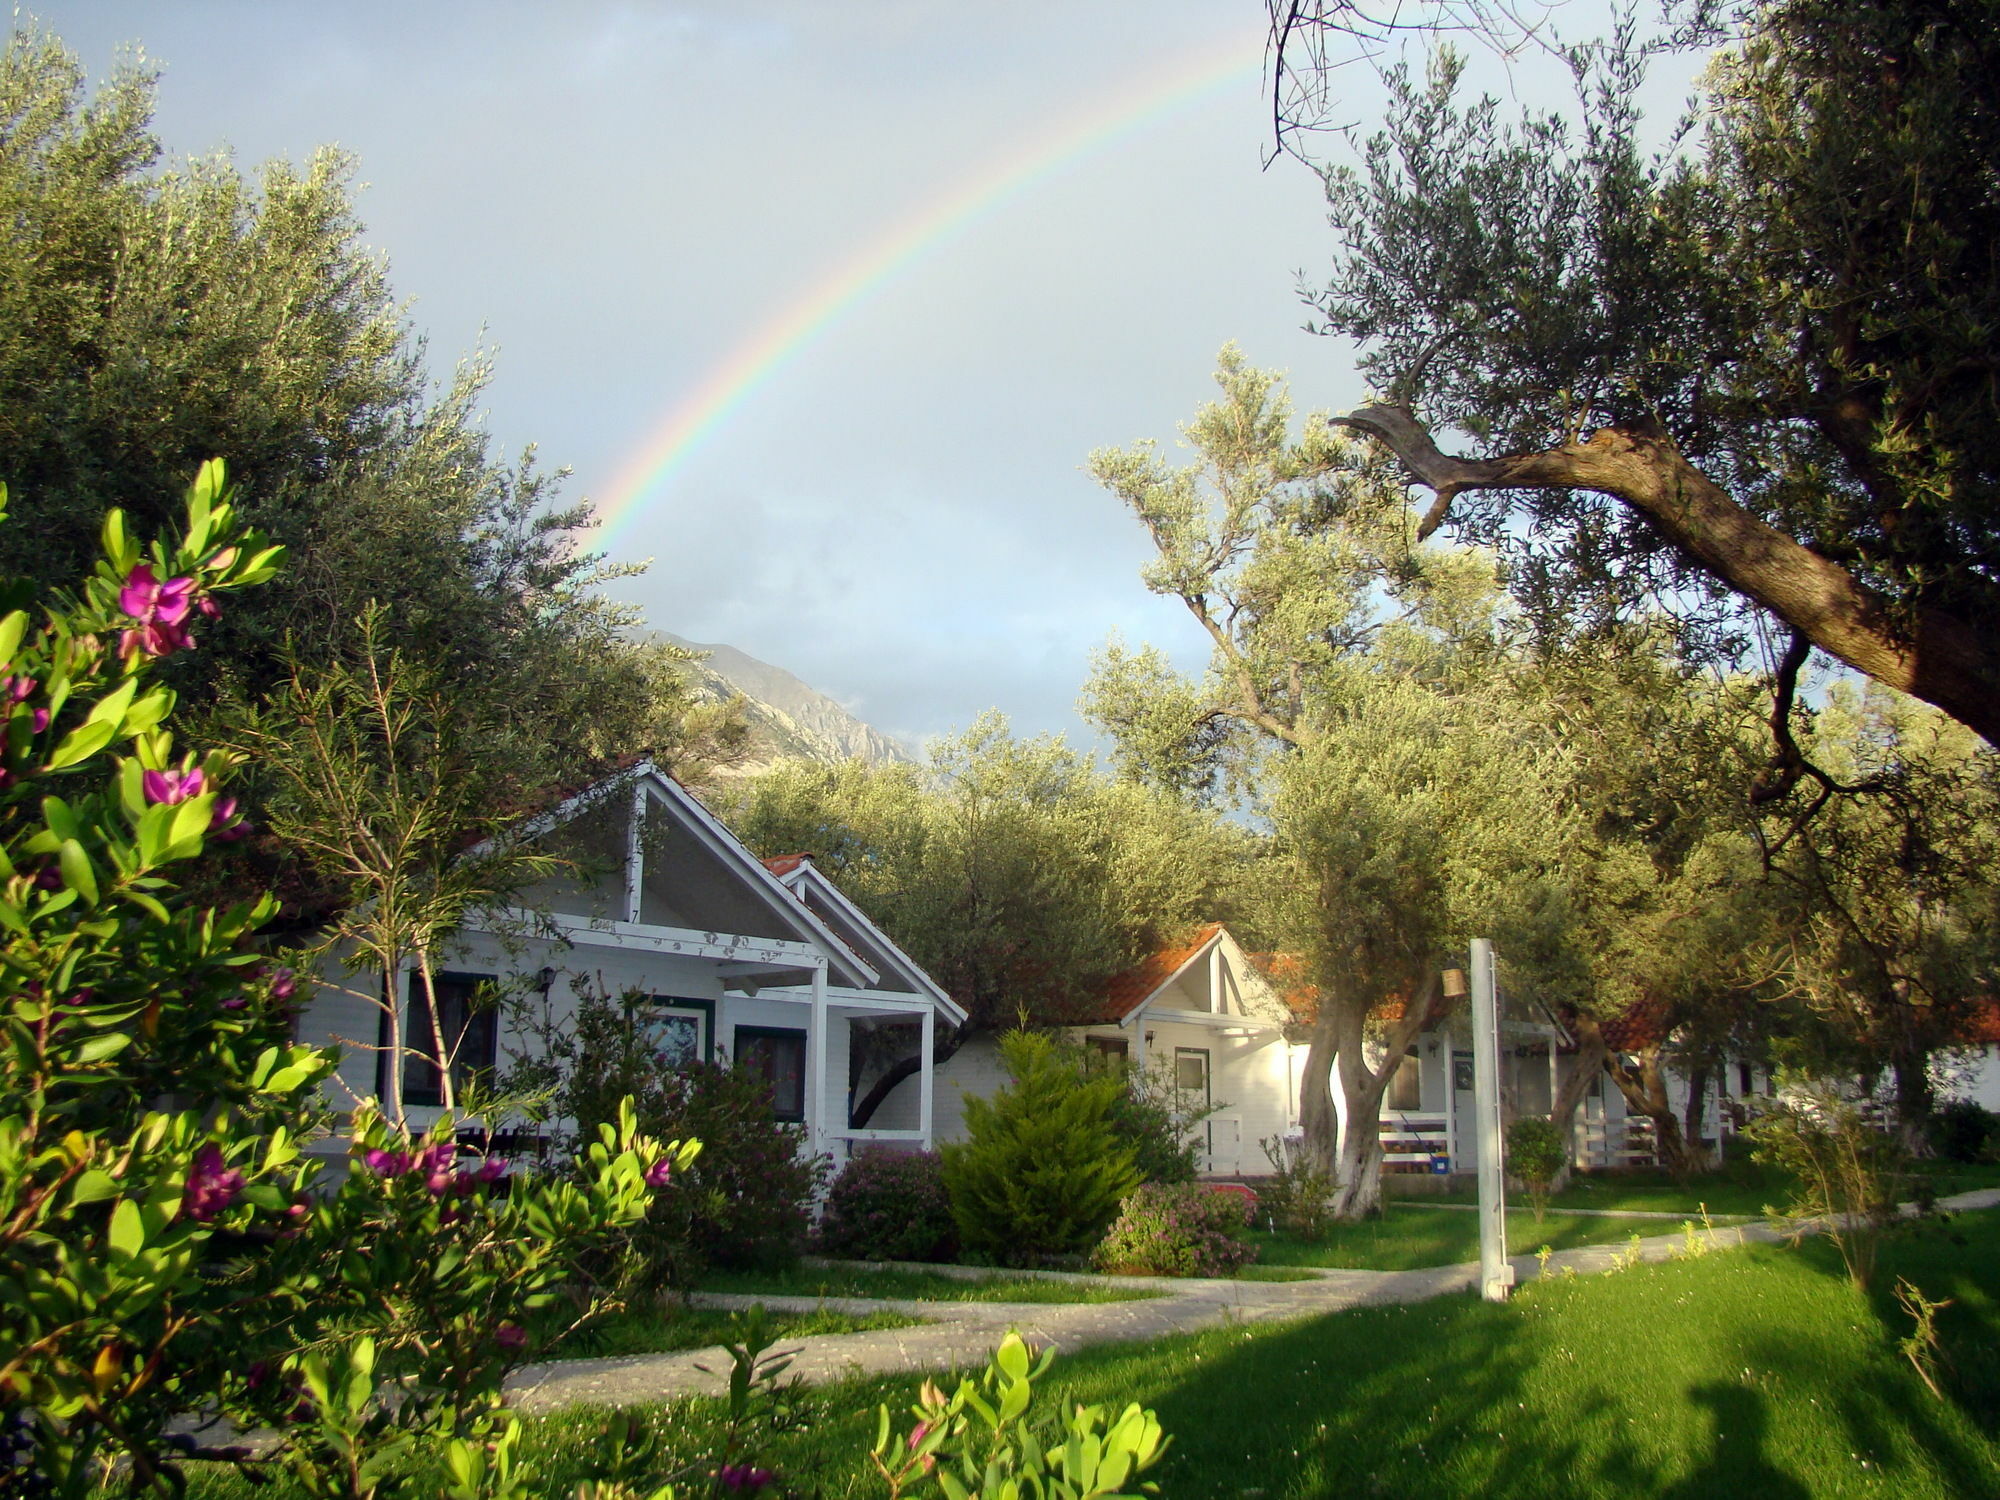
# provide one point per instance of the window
(678, 1030)
(471, 1026)
(1191, 1071)
(1406, 1089)
(1746, 1080)
(777, 1055)
(1109, 1047)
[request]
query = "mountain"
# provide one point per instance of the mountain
(788, 719)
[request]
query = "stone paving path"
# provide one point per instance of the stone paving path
(961, 1334)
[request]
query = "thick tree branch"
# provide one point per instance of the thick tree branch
(1928, 653)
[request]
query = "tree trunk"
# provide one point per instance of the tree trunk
(1915, 1098)
(444, 1054)
(1950, 660)
(1692, 1139)
(1573, 1083)
(1318, 1121)
(942, 1049)
(1645, 1091)
(392, 1008)
(1357, 1160)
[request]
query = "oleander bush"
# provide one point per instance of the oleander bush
(889, 1205)
(1177, 1229)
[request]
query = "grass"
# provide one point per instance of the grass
(1276, 1273)
(1410, 1236)
(1754, 1372)
(1740, 1187)
(669, 1326)
(918, 1286)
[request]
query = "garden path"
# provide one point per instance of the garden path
(959, 1335)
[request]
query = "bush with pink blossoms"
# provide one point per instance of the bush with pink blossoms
(889, 1205)
(1180, 1229)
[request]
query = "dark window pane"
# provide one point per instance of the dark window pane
(778, 1057)
(471, 1036)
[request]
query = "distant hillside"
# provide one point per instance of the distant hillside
(788, 719)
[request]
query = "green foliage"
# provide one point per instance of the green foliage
(1180, 1229)
(1040, 1173)
(153, 315)
(1012, 870)
(1964, 1131)
(1297, 1198)
(983, 1440)
(1790, 295)
(889, 1205)
(745, 1201)
(1844, 1168)
(159, 1252)
(1536, 1153)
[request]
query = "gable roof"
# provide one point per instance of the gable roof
(663, 791)
(1129, 990)
(812, 888)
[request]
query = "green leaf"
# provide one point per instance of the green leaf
(81, 743)
(93, 1186)
(61, 820)
(111, 708)
(118, 544)
(12, 628)
(127, 1234)
(77, 873)
(104, 1044)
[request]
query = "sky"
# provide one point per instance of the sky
(823, 303)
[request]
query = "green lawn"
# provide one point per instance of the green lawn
(920, 1286)
(1755, 1372)
(668, 1326)
(1412, 1235)
(1741, 1187)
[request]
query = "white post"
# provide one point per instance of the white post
(816, 1065)
(635, 857)
(925, 1082)
(1495, 1275)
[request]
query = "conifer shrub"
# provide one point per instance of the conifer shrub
(889, 1205)
(1177, 1229)
(1963, 1131)
(1041, 1173)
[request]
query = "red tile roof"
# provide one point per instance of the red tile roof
(784, 864)
(1126, 992)
(1289, 977)
(1982, 1027)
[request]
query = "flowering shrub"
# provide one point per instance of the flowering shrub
(745, 1201)
(889, 1205)
(159, 1252)
(1178, 1229)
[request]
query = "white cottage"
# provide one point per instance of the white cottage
(1206, 1013)
(774, 970)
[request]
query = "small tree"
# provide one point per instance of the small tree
(400, 799)
(1536, 1154)
(1843, 1168)
(1041, 1172)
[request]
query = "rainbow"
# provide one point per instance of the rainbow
(1184, 82)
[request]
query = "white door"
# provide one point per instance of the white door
(1225, 1146)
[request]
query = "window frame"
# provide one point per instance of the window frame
(422, 1093)
(746, 1032)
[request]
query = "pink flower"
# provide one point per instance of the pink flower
(161, 610)
(20, 689)
(146, 599)
(511, 1336)
(284, 984)
(226, 822)
(39, 719)
(658, 1173)
(436, 1166)
(744, 1477)
(211, 1187)
(173, 786)
(386, 1163)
